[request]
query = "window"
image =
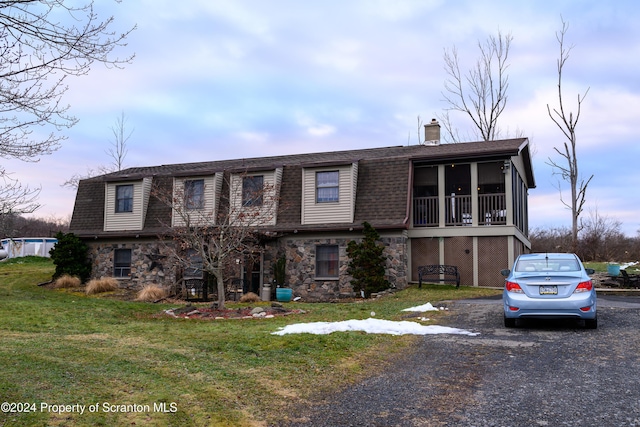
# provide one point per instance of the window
(327, 186)
(194, 194)
(327, 264)
(195, 266)
(252, 189)
(122, 263)
(124, 198)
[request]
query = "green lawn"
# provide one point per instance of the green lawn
(601, 267)
(138, 366)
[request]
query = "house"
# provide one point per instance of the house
(459, 204)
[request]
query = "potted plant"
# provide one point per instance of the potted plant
(283, 293)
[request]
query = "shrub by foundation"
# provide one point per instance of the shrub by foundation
(67, 281)
(151, 293)
(104, 284)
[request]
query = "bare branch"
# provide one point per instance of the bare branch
(42, 43)
(567, 122)
(118, 151)
(220, 232)
(481, 94)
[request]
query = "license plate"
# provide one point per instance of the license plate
(548, 290)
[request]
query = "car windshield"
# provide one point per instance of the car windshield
(553, 265)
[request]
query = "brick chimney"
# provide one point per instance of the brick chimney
(432, 133)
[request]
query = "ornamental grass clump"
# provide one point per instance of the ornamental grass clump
(98, 286)
(250, 297)
(151, 293)
(67, 281)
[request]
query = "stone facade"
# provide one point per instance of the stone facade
(301, 266)
(149, 265)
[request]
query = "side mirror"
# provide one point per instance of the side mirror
(505, 272)
(589, 271)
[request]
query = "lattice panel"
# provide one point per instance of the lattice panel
(423, 252)
(458, 251)
(492, 257)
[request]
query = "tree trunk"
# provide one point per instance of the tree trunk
(220, 283)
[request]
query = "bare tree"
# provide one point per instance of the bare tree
(15, 197)
(600, 237)
(219, 233)
(42, 43)
(118, 153)
(567, 122)
(481, 93)
(119, 150)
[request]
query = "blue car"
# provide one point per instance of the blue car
(549, 286)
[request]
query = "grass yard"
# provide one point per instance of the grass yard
(601, 267)
(137, 366)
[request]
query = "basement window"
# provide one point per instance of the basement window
(122, 263)
(327, 262)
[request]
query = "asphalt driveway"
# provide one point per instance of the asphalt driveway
(539, 374)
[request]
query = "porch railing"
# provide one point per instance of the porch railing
(491, 207)
(458, 210)
(425, 211)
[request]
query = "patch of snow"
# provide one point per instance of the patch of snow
(422, 308)
(628, 264)
(371, 326)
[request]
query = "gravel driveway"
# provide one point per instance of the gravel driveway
(539, 374)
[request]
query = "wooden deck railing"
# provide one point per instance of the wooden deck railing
(492, 209)
(425, 211)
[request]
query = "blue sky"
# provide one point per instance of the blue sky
(244, 78)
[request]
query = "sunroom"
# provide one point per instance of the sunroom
(467, 194)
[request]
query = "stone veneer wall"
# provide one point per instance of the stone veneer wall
(300, 267)
(148, 264)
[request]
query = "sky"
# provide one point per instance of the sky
(215, 80)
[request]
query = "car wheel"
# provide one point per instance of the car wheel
(509, 322)
(591, 323)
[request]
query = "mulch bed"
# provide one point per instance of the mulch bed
(261, 312)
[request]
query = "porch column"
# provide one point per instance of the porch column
(508, 190)
(442, 213)
(473, 170)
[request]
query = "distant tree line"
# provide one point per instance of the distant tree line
(14, 225)
(600, 239)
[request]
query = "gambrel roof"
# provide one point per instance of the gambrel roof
(383, 184)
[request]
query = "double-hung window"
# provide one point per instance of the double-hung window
(252, 189)
(327, 261)
(124, 198)
(122, 263)
(327, 188)
(194, 194)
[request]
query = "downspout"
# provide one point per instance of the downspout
(409, 195)
(406, 222)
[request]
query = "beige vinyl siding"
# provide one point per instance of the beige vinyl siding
(255, 215)
(146, 191)
(329, 212)
(180, 216)
(276, 193)
(133, 220)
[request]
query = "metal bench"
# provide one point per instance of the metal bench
(439, 273)
(629, 280)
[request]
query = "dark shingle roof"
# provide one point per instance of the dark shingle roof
(383, 175)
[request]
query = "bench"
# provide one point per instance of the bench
(629, 281)
(436, 273)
